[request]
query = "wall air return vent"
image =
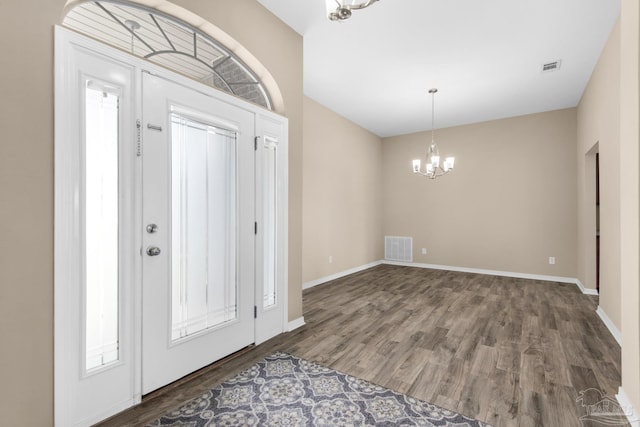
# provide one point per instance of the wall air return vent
(551, 66)
(398, 248)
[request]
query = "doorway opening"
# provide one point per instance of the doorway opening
(590, 231)
(598, 222)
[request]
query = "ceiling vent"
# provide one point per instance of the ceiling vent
(551, 66)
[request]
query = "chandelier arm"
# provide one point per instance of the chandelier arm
(357, 6)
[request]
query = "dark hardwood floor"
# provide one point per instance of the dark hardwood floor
(510, 352)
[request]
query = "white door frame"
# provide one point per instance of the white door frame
(76, 63)
(271, 134)
(67, 243)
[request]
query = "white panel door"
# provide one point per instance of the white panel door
(198, 230)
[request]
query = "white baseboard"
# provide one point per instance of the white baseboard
(559, 279)
(335, 276)
(295, 324)
(610, 325)
(546, 278)
(586, 291)
(625, 404)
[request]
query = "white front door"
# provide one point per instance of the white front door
(207, 188)
(198, 230)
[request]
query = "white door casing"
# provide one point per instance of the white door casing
(84, 396)
(271, 240)
(82, 399)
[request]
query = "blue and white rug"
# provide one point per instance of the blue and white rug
(284, 390)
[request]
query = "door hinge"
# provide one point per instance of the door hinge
(138, 139)
(255, 227)
(255, 143)
(255, 311)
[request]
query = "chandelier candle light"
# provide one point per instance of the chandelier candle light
(433, 167)
(339, 10)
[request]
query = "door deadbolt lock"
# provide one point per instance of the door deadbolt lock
(152, 228)
(153, 251)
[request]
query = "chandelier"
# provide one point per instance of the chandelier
(339, 10)
(433, 166)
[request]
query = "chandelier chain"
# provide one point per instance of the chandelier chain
(433, 115)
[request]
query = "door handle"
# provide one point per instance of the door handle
(153, 251)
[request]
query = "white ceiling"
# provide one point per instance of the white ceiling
(485, 57)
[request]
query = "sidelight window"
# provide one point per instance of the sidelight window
(270, 185)
(101, 228)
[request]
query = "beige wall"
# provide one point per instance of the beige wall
(26, 182)
(599, 123)
(26, 213)
(630, 199)
(608, 115)
(509, 205)
(342, 201)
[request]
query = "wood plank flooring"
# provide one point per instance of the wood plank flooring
(510, 352)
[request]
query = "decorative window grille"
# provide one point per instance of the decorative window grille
(168, 42)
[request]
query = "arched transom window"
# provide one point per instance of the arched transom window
(168, 42)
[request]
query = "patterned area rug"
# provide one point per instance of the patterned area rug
(283, 390)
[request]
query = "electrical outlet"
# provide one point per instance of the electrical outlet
(330, 259)
(552, 260)
(424, 251)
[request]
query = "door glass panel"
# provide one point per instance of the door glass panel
(101, 225)
(270, 215)
(203, 226)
